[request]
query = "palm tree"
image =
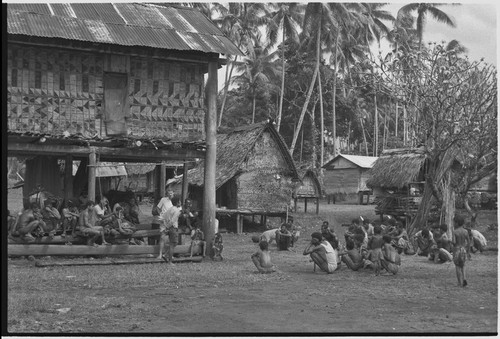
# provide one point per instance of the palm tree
(423, 9)
(287, 18)
(257, 71)
(241, 23)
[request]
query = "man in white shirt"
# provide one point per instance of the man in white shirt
(165, 202)
(170, 227)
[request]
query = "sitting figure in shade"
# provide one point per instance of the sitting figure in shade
(329, 235)
(390, 260)
(218, 246)
(197, 239)
(352, 257)
(262, 258)
(441, 251)
(424, 241)
(322, 253)
(29, 224)
(283, 238)
(51, 217)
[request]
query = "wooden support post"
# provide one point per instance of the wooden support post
(305, 205)
(295, 204)
(317, 205)
(239, 224)
(208, 226)
(262, 220)
(163, 179)
(91, 179)
(68, 177)
(184, 182)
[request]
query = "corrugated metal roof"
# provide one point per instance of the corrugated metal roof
(127, 24)
(359, 160)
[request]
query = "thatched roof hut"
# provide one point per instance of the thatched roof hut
(396, 168)
(254, 170)
(310, 188)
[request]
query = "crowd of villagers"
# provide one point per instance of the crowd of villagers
(76, 219)
(379, 246)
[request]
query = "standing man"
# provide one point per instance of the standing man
(170, 227)
(461, 242)
(166, 202)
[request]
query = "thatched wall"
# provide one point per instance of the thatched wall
(54, 90)
(265, 182)
(310, 187)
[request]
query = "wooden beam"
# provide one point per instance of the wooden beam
(305, 205)
(137, 261)
(163, 179)
(239, 224)
(317, 205)
(185, 182)
(68, 177)
(91, 178)
(81, 250)
(209, 206)
(105, 153)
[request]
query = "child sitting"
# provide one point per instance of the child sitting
(390, 260)
(262, 258)
(375, 249)
(218, 246)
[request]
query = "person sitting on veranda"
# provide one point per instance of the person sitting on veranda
(352, 256)
(441, 251)
(70, 215)
(130, 210)
(101, 213)
(322, 253)
(120, 227)
(262, 258)
(187, 219)
(51, 217)
(424, 241)
(197, 239)
(390, 260)
(30, 221)
(87, 225)
(283, 238)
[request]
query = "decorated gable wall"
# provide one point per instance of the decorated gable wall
(53, 90)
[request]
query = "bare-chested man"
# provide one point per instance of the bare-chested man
(28, 222)
(86, 225)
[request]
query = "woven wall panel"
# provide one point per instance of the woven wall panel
(52, 91)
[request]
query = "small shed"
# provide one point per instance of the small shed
(346, 175)
(397, 180)
(310, 188)
(255, 174)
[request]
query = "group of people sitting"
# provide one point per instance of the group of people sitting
(96, 223)
(285, 236)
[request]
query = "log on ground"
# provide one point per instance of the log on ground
(136, 261)
(102, 250)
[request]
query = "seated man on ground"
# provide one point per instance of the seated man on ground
(329, 235)
(477, 240)
(29, 222)
(269, 235)
(187, 219)
(352, 257)
(441, 251)
(197, 239)
(424, 242)
(283, 238)
(262, 258)
(218, 246)
(87, 226)
(390, 260)
(322, 253)
(400, 239)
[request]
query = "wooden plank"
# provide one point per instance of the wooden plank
(132, 154)
(137, 261)
(80, 250)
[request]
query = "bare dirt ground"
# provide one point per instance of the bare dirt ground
(231, 297)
